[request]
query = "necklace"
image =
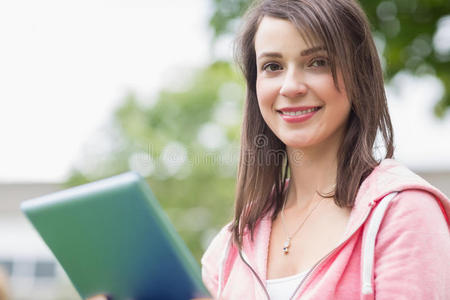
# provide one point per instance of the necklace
(287, 243)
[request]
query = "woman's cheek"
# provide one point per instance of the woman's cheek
(324, 86)
(266, 93)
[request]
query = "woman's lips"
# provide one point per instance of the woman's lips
(294, 115)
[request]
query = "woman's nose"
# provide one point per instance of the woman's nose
(293, 85)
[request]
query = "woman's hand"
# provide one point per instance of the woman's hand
(104, 297)
(99, 297)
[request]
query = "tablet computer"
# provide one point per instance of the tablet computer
(112, 237)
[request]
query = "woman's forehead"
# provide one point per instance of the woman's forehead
(280, 34)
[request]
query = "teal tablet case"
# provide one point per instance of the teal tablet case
(112, 237)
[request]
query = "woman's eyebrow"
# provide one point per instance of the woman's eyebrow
(270, 54)
(305, 52)
(310, 51)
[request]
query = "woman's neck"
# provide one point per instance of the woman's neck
(311, 170)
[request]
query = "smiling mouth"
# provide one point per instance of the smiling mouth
(299, 112)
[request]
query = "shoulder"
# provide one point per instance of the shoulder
(412, 249)
(414, 211)
(217, 245)
(418, 203)
(211, 259)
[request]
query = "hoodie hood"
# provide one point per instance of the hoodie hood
(392, 176)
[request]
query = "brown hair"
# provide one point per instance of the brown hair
(343, 28)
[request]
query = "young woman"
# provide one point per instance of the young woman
(317, 215)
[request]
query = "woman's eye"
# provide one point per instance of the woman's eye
(271, 66)
(319, 62)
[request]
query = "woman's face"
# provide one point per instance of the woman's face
(292, 76)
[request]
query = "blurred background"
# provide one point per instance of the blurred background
(90, 89)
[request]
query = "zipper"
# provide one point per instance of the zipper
(254, 272)
(314, 267)
(371, 204)
(222, 266)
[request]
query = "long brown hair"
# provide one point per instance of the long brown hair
(342, 26)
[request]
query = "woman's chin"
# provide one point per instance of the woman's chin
(297, 142)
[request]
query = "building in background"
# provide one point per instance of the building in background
(32, 271)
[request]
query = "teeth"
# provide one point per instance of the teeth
(298, 113)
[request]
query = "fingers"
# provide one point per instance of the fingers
(104, 297)
(99, 297)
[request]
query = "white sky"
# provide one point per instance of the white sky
(64, 66)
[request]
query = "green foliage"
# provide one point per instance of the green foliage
(409, 29)
(225, 12)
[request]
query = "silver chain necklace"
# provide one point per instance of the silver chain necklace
(287, 243)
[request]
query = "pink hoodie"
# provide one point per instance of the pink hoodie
(410, 259)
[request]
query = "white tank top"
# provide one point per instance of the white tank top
(283, 288)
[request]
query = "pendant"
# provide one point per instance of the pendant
(287, 244)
